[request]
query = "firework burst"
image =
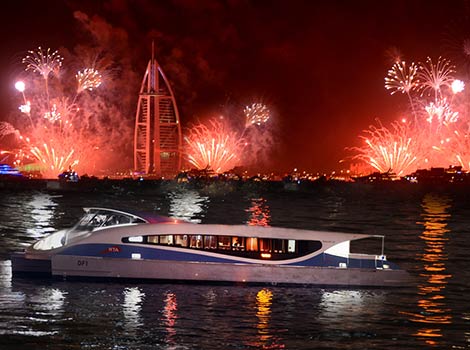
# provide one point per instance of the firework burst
(43, 62)
(402, 78)
(88, 79)
(216, 147)
(256, 114)
(439, 134)
(433, 77)
(392, 150)
(61, 134)
(53, 161)
(441, 112)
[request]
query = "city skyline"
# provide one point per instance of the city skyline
(318, 66)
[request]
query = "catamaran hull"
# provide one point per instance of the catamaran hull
(38, 266)
(68, 266)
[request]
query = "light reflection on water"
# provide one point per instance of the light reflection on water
(40, 312)
(187, 204)
(268, 337)
(169, 315)
(259, 213)
(434, 312)
(42, 209)
(132, 306)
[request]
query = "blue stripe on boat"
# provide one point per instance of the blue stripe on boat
(126, 251)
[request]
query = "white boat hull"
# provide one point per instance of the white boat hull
(65, 266)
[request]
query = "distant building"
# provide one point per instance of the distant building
(157, 138)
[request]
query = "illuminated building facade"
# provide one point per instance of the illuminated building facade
(157, 138)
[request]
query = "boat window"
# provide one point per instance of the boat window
(89, 221)
(252, 244)
(306, 247)
(224, 242)
(210, 242)
(98, 220)
(238, 243)
(195, 241)
(84, 221)
(249, 247)
(152, 239)
(102, 218)
(181, 240)
(265, 245)
(166, 239)
(279, 245)
(117, 219)
(291, 246)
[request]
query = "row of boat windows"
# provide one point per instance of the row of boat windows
(230, 243)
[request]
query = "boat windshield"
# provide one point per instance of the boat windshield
(93, 218)
(101, 218)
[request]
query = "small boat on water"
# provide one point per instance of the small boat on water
(108, 243)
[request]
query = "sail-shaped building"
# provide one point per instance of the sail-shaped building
(157, 139)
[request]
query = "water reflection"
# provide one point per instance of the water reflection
(266, 338)
(42, 315)
(132, 307)
(432, 303)
(52, 299)
(344, 304)
(263, 303)
(259, 212)
(169, 317)
(187, 205)
(42, 209)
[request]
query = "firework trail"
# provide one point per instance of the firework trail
(53, 162)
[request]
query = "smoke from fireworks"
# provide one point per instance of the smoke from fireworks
(7, 129)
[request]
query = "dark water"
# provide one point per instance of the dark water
(427, 232)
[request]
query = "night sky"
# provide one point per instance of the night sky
(319, 65)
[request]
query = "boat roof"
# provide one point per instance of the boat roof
(174, 226)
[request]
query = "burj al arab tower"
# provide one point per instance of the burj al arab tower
(157, 139)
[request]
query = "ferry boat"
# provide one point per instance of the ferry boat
(108, 243)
